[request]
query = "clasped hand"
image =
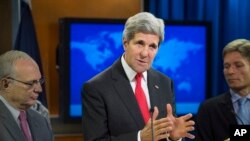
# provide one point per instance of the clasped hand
(170, 127)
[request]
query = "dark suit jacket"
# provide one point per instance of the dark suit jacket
(110, 110)
(214, 118)
(10, 131)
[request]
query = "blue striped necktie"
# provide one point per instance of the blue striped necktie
(243, 111)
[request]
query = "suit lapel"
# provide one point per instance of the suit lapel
(10, 124)
(226, 107)
(153, 88)
(33, 125)
(124, 90)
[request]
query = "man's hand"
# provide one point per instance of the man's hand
(182, 125)
(162, 128)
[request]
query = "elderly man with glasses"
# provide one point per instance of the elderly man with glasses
(20, 85)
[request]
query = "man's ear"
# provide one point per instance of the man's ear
(4, 83)
(124, 42)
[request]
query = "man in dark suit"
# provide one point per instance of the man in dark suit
(111, 109)
(20, 85)
(216, 115)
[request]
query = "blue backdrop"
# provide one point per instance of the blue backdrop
(230, 20)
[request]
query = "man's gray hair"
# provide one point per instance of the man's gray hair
(8, 59)
(143, 22)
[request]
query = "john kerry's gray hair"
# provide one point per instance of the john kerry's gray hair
(146, 23)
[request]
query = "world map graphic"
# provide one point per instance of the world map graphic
(177, 58)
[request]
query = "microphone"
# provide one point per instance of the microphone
(151, 111)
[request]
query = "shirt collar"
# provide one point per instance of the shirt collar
(15, 113)
(236, 96)
(130, 72)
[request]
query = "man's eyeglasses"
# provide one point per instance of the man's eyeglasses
(30, 84)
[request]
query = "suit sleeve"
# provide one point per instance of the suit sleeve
(204, 132)
(95, 120)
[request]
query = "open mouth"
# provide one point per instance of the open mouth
(141, 61)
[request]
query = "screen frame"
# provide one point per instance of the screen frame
(63, 58)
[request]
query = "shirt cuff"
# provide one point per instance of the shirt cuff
(139, 136)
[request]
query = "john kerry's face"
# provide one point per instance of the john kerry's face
(140, 51)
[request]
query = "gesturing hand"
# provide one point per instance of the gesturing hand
(162, 128)
(182, 125)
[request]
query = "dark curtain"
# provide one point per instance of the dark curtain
(230, 20)
(26, 41)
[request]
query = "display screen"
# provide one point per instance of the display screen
(90, 46)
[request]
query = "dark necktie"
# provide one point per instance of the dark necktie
(24, 125)
(141, 98)
(242, 112)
